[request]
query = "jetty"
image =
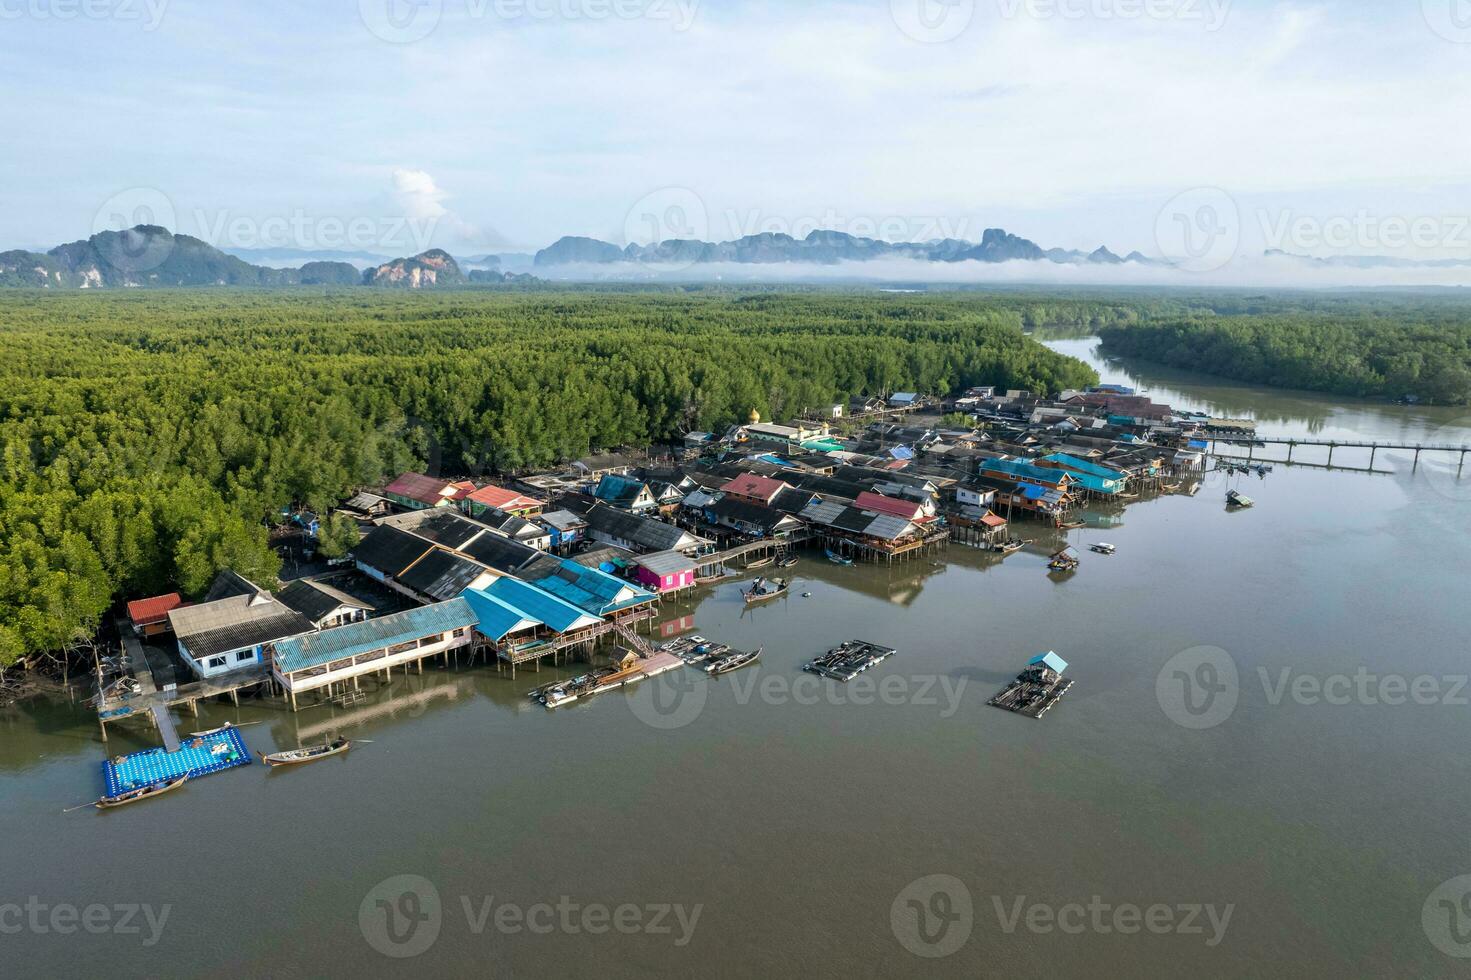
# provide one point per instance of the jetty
(1037, 688)
(1255, 442)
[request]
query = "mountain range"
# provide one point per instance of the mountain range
(148, 255)
(819, 248)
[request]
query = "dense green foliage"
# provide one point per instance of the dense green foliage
(337, 536)
(146, 436)
(1410, 349)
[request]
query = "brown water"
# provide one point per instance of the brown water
(800, 817)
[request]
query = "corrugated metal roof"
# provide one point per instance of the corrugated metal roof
(666, 563)
(303, 652)
(1050, 659)
(442, 574)
(498, 618)
(390, 550)
(590, 589)
(560, 615)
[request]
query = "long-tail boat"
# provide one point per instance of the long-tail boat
(145, 793)
(295, 757)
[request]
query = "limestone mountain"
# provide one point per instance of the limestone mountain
(435, 267)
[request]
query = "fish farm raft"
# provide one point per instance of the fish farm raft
(847, 661)
(1037, 688)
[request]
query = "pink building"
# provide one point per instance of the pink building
(664, 571)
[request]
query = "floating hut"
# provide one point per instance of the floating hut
(1037, 688)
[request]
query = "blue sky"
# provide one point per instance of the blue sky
(512, 122)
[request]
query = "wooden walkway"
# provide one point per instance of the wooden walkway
(165, 723)
(1252, 442)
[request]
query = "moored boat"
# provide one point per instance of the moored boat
(1009, 547)
(295, 757)
(761, 563)
(1103, 548)
(787, 562)
(836, 558)
(145, 793)
(734, 661)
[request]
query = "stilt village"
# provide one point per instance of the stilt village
(572, 565)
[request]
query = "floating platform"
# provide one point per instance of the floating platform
(1037, 688)
(845, 662)
(559, 693)
(695, 650)
(196, 757)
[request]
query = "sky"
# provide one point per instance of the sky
(388, 126)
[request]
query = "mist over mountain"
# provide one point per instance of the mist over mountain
(818, 248)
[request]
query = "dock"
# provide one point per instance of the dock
(202, 756)
(166, 729)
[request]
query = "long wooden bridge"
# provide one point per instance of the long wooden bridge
(1252, 443)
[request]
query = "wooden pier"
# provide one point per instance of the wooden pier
(1253, 442)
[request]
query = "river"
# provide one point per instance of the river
(1260, 771)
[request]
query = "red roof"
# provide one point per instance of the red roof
(991, 520)
(502, 499)
(908, 509)
(146, 612)
(754, 486)
(427, 489)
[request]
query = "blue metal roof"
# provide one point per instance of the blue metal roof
(614, 487)
(1024, 470)
(315, 649)
(1090, 475)
(540, 605)
(592, 589)
(498, 618)
(1050, 660)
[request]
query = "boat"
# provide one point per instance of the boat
(295, 757)
(213, 731)
(146, 793)
(734, 661)
(1009, 547)
(836, 558)
(1071, 525)
(787, 562)
(1235, 498)
(762, 590)
(1103, 548)
(761, 563)
(1065, 560)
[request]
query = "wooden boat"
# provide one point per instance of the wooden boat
(1065, 560)
(213, 731)
(1072, 525)
(761, 590)
(787, 562)
(734, 661)
(146, 793)
(1009, 547)
(761, 563)
(836, 558)
(295, 757)
(1236, 499)
(1103, 548)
